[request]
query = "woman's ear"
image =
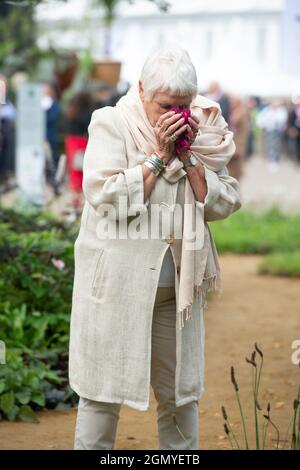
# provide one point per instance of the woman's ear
(141, 91)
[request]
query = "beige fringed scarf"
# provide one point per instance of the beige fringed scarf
(214, 147)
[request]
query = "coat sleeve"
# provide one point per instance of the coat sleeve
(107, 180)
(223, 195)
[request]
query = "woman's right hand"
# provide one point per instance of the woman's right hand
(167, 125)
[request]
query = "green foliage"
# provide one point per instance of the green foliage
(261, 233)
(262, 419)
(23, 383)
(269, 232)
(17, 36)
(36, 274)
(281, 264)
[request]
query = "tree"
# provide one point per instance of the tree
(18, 31)
(17, 35)
(110, 7)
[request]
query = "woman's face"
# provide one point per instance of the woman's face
(161, 103)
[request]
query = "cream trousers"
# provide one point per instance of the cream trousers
(96, 423)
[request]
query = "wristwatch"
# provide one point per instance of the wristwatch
(191, 162)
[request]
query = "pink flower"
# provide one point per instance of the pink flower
(58, 263)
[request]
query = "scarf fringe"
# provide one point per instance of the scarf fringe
(209, 284)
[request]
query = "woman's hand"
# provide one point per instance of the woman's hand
(193, 128)
(191, 134)
(168, 124)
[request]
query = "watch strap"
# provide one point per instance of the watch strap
(186, 164)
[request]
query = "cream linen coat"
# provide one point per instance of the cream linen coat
(115, 280)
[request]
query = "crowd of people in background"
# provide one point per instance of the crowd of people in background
(270, 127)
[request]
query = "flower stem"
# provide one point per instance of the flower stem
(233, 435)
(265, 427)
(255, 389)
(243, 420)
(277, 431)
(287, 433)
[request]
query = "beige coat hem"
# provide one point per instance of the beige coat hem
(140, 406)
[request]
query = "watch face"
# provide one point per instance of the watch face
(193, 159)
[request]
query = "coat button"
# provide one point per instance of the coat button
(170, 239)
(178, 269)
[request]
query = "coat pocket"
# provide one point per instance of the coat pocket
(97, 278)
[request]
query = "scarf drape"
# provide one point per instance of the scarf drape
(213, 147)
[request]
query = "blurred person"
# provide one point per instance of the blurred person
(103, 95)
(7, 141)
(293, 128)
(216, 93)
(53, 111)
(16, 80)
(130, 293)
(273, 119)
(239, 123)
(254, 106)
(119, 93)
(108, 95)
(77, 118)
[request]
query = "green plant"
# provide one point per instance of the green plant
(260, 439)
(264, 232)
(23, 383)
(296, 423)
(236, 389)
(14, 47)
(36, 274)
(281, 264)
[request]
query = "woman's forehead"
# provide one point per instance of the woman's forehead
(166, 97)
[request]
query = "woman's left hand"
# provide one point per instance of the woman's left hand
(193, 128)
(192, 131)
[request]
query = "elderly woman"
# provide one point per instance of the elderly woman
(154, 174)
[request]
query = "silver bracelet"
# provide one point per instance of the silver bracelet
(152, 167)
(159, 161)
(155, 164)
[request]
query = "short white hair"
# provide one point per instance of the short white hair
(169, 69)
